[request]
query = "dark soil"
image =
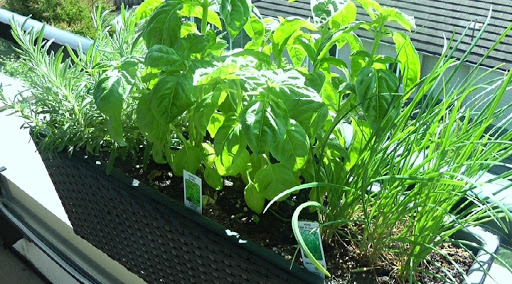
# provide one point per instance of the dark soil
(273, 231)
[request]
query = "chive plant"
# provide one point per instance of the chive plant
(424, 169)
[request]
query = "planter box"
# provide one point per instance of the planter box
(156, 238)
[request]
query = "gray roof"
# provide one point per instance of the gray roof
(433, 19)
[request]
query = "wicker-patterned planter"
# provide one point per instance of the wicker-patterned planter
(157, 238)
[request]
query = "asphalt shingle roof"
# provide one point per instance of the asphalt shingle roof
(433, 19)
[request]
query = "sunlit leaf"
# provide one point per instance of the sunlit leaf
(187, 158)
(410, 65)
(264, 124)
(109, 93)
(274, 179)
(235, 13)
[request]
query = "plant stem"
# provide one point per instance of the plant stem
(180, 136)
(204, 20)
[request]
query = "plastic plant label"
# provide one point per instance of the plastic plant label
(310, 232)
(193, 192)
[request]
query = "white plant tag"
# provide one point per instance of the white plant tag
(193, 194)
(310, 232)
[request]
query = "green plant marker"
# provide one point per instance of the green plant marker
(310, 232)
(193, 192)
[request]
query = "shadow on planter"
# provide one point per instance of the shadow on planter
(156, 238)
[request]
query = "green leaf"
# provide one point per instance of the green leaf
(253, 198)
(293, 151)
(154, 129)
(264, 123)
(286, 29)
(274, 179)
(146, 8)
(196, 10)
(196, 43)
(306, 43)
(410, 65)
(216, 121)
(187, 158)
(324, 10)
(161, 56)
(255, 29)
(376, 93)
(358, 60)
(164, 25)
(345, 16)
(372, 7)
(129, 68)
(229, 143)
(229, 136)
(297, 54)
(213, 178)
(360, 137)
(171, 97)
(109, 93)
(235, 13)
(231, 165)
(204, 110)
(315, 80)
(208, 154)
(395, 15)
(302, 104)
(318, 121)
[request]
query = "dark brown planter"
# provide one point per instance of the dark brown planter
(157, 238)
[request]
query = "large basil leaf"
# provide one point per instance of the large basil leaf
(253, 198)
(274, 179)
(264, 123)
(155, 130)
(164, 25)
(344, 16)
(235, 13)
(213, 178)
(395, 15)
(161, 56)
(372, 7)
(171, 97)
(228, 164)
(255, 29)
(361, 135)
(204, 110)
(284, 32)
(293, 151)
(230, 143)
(109, 93)
(410, 65)
(196, 43)
(376, 93)
(302, 104)
(187, 158)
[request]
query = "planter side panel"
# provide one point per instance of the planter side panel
(154, 241)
